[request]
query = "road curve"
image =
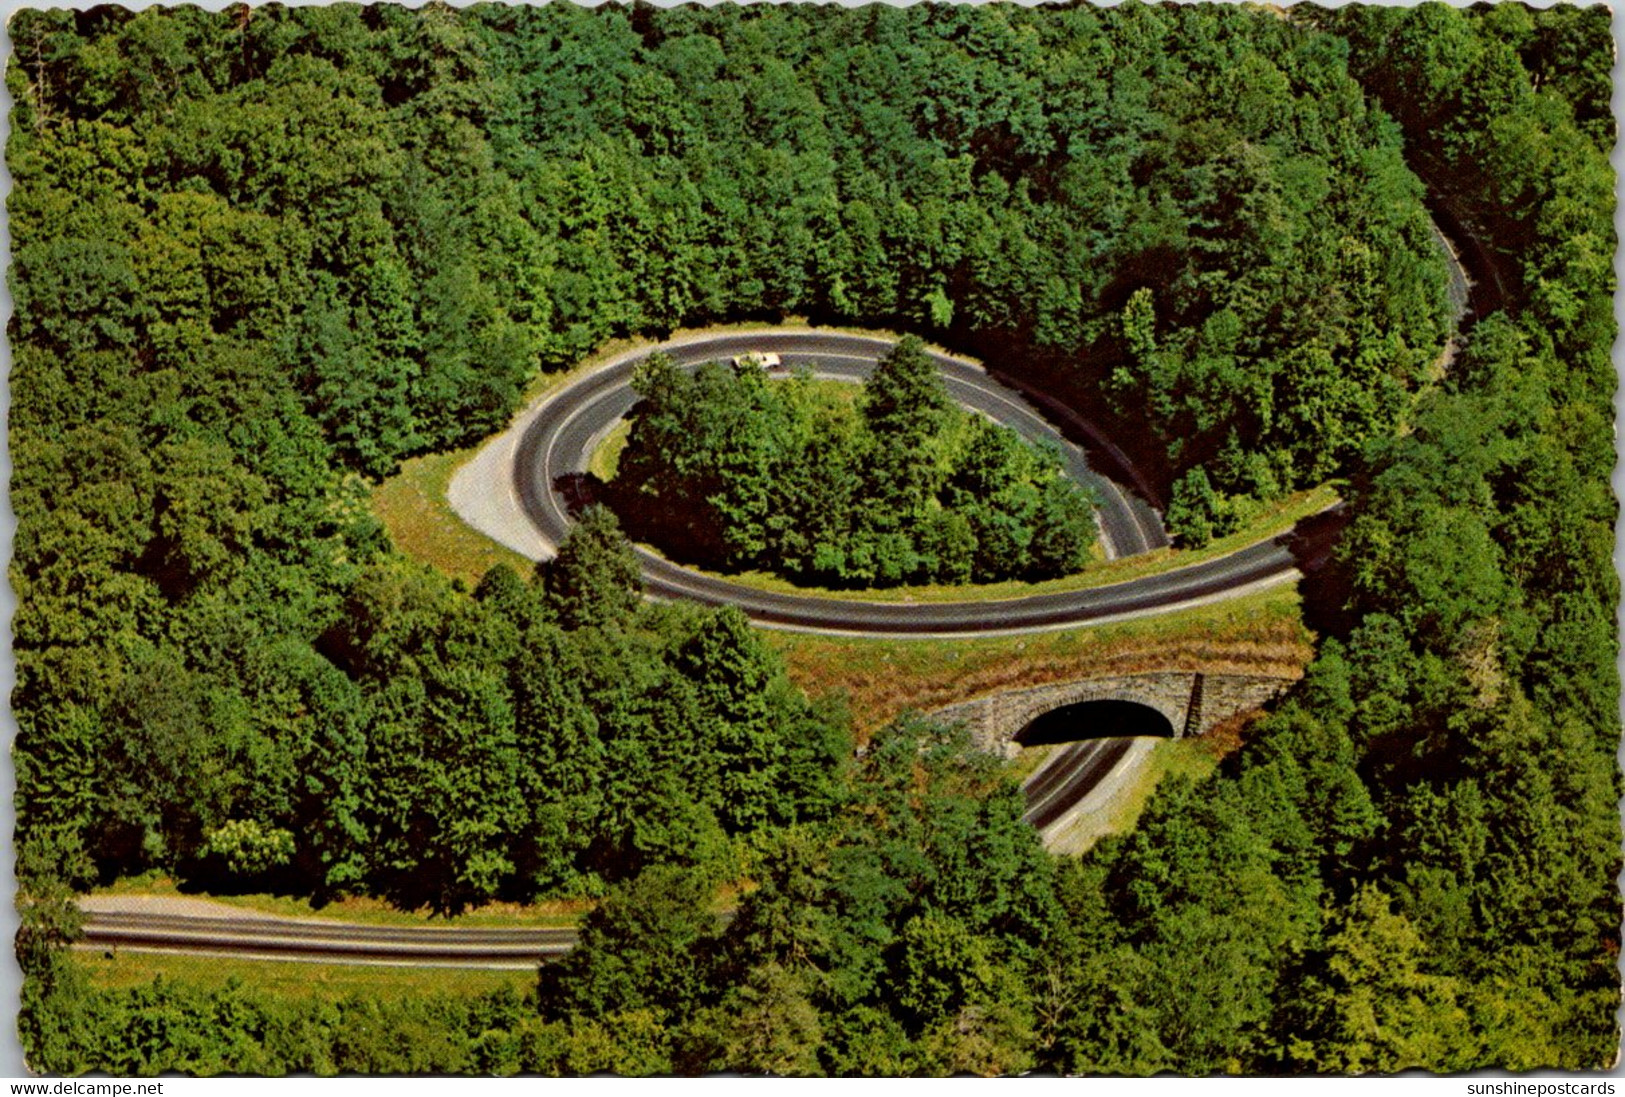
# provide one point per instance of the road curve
(560, 440)
(554, 444)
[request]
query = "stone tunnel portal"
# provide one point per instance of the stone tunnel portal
(1105, 719)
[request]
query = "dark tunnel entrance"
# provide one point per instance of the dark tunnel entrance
(1095, 720)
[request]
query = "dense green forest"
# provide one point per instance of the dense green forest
(728, 468)
(262, 255)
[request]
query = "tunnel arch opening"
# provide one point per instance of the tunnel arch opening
(1095, 720)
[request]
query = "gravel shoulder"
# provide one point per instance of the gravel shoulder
(180, 906)
(482, 492)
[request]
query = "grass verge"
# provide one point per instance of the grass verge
(605, 461)
(1190, 757)
(1260, 633)
(1272, 522)
(117, 969)
(412, 505)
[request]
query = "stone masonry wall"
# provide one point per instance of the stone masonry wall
(995, 719)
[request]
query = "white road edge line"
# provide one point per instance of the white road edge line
(1289, 575)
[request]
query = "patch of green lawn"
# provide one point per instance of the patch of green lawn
(412, 505)
(113, 969)
(606, 459)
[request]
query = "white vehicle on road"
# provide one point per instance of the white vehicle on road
(758, 359)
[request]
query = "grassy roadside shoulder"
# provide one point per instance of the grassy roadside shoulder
(117, 969)
(1190, 757)
(363, 910)
(412, 506)
(1273, 521)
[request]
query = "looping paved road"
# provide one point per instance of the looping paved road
(556, 439)
(551, 456)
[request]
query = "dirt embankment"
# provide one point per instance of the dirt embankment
(883, 681)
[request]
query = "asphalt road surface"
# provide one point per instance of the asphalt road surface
(551, 458)
(268, 938)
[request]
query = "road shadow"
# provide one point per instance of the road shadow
(1326, 586)
(578, 491)
(1097, 719)
(1105, 456)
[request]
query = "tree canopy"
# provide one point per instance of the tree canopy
(262, 255)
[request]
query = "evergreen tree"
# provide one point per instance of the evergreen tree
(594, 581)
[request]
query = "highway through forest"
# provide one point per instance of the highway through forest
(157, 925)
(550, 454)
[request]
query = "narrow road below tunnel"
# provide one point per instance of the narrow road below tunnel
(1070, 776)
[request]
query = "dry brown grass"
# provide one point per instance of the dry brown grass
(1262, 633)
(1226, 737)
